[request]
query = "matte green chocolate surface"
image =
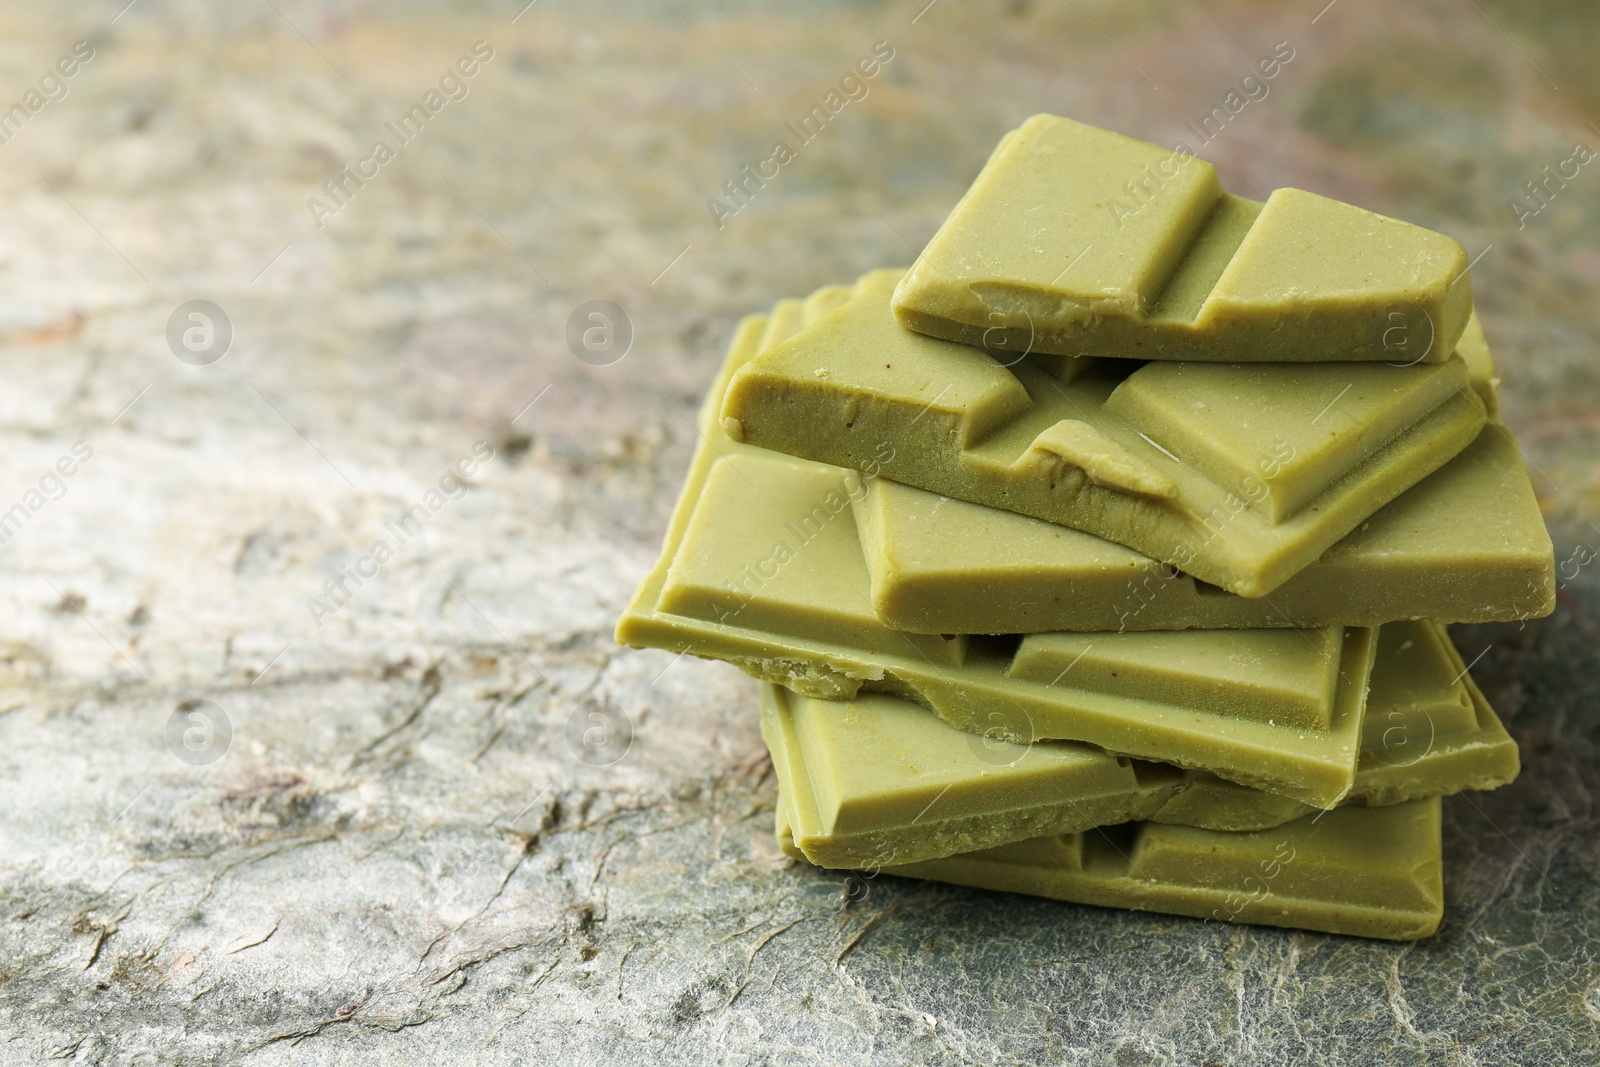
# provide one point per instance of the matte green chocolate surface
(1474, 348)
(1427, 731)
(756, 534)
(1080, 241)
(878, 780)
(1238, 474)
(1466, 544)
(1273, 676)
(1427, 723)
(1371, 872)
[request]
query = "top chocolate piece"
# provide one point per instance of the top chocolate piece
(1081, 242)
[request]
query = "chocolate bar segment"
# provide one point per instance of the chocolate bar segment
(878, 780)
(1467, 544)
(1427, 731)
(738, 580)
(1079, 241)
(1366, 872)
(1240, 475)
(756, 533)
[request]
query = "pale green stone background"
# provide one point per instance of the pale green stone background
(398, 859)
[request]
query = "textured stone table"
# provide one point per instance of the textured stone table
(271, 798)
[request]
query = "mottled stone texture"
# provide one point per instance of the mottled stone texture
(398, 859)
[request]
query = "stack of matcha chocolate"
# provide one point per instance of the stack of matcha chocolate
(1105, 554)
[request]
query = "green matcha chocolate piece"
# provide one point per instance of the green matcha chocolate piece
(1474, 348)
(784, 596)
(1079, 241)
(1427, 731)
(1273, 676)
(762, 566)
(1429, 728)
(1371, 872)
(1239, 474)
(1466, 544)
(878, 780)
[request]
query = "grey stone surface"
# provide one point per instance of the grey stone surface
(397, 856)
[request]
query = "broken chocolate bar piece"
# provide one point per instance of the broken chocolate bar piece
(1368, 872)
(1079, 241)
(762, 566)
(1239, 474)
(879, 781)
(1467, 544)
